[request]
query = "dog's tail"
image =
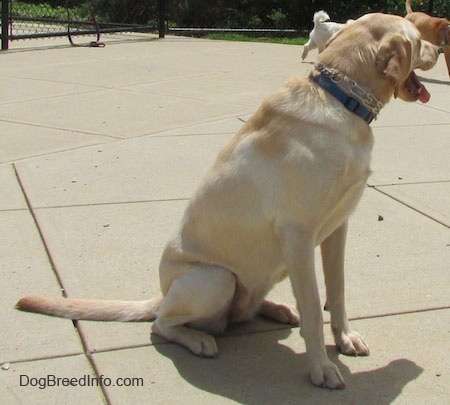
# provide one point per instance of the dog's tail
(409, 9)
(92, 310)
(320, 17)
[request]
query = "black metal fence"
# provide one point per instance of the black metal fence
(29, 19)
(22, 19)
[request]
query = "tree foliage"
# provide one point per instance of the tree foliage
(296, 14)
(284, 13)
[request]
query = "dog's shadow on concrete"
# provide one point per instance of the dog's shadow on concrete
(258, 368)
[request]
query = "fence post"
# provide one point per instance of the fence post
(161, 18)
(5, 24)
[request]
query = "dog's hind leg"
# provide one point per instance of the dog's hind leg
(198, 301)
(332, 249)
(310, 45)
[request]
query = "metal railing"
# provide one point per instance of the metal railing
(23, 20)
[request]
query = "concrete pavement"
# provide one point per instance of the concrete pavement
(100, 149)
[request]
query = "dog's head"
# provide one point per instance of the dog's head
(398, 55)
(381, 52)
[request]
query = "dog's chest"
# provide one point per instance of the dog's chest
(345, 192)
(340, 211)
(324, 187)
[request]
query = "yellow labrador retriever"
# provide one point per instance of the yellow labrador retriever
(285, 184)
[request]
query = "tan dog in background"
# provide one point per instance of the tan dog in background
(432, 29)
(285, 184)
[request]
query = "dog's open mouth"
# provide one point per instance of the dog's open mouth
(416, 89)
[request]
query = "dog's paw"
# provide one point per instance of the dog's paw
(197, 342)
(282, 313)
(287, 314)
(326, 376)
(352, 344)
(204, 346)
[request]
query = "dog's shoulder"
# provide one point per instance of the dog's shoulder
(299, 118)
(282, 112)
(295, 100)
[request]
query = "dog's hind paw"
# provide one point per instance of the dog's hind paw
(204, 346)
(282, 313)
(352, 344)
(201, 344)
(326, 376)
(196, 341)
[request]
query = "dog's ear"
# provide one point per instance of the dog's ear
(394, 59)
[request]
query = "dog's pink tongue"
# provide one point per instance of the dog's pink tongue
(424, 95)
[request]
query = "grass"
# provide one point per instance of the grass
(230, 36)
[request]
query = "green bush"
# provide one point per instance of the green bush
(124, 11)
(295, 14)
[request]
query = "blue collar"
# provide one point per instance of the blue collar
(352, 103)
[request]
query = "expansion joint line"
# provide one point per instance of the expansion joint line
(83, 341)
(376, 188)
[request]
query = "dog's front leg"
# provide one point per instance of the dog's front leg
(298, 251)
(333, 249)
